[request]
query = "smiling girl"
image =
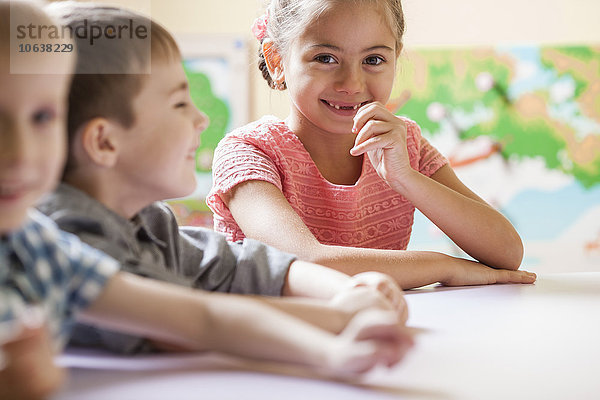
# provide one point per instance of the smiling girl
(337, 182)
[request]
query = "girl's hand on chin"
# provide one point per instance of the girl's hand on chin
(382, 136)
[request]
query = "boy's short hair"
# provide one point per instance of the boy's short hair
(109, 73)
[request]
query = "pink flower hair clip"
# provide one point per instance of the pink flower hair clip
(259, 27)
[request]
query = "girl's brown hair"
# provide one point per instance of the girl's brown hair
(288, 19)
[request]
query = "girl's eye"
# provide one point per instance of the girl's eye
(42, 117)
(181, 105)
(374, 60)
(325, 59)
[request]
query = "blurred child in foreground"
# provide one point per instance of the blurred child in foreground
(68, 280)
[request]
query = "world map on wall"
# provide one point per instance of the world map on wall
(521, 126)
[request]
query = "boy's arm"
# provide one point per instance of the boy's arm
(194, 257)
(252, 267)
(313, 280)
(203, 259)
(202, 321)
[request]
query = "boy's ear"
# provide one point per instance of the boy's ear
(273, 61)
(99, 141)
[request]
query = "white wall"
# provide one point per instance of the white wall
(485, 22)
(429, 23)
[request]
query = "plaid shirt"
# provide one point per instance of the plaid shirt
(41, 265)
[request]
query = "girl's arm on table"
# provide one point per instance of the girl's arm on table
(471, 223)
(260, 209)
(251, 327)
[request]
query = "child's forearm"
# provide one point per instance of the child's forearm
(332, 316)
(472, 224)
(413, 269)
(260, 207)
(410, 269)
(247, 327)
(306, 279)
(273, 330)
(201, 321)
(322, 315)
(349, 293)
(368, 338)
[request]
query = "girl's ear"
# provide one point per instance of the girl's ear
(99, 143)
(273, 61)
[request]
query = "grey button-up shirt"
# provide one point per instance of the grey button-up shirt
(153, 245)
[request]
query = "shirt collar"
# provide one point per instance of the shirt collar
(143, 229)
(79, 203)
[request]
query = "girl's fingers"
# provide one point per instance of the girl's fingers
(521, 277)
(374, 120)
(505, 276)
(367, 112)
(374, 143)
(372, 128)
(374, 111)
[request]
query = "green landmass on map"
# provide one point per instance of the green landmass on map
(216, 109)
(522, 126)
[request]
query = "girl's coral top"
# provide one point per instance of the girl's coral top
(367, 214)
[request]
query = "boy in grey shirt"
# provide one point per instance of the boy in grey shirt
(132, 141)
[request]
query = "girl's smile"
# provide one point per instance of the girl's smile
(347, 59)
(344, 109)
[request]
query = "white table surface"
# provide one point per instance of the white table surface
(529, 342)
